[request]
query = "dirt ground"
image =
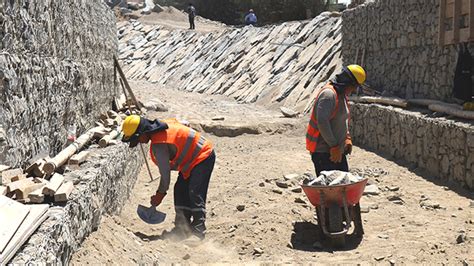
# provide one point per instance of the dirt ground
(428, 222)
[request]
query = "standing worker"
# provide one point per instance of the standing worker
(328, 139)
(191, 15)
(251, 18)
(175, 146)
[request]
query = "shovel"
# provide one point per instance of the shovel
(150, 215)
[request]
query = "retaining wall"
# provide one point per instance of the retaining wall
(443, 147)
(56, 69)
(402, 55)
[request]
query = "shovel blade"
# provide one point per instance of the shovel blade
(150, 215)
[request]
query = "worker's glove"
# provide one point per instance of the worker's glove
(157, 199)
(348, 146)
(335, 154)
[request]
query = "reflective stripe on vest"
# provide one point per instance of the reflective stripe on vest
(192, 148)
(313, 134)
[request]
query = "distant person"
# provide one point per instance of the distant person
(192, 15)
(251, 18)
(328, 139)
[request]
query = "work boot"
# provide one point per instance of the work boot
(176, 234)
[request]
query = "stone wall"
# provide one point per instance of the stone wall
(56, 69)
(443, 147)
(273, 65)
(101, 187)
(401, 43)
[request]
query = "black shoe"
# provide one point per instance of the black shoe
(176, 234)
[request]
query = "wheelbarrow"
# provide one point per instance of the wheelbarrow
(336, 208)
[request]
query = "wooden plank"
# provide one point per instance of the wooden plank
(8, 175)
(36, 168)
(12, 215)
(104, 142)
(36, 216)
(3, 190)
(22, 193)
(441, 29)
(54, 183)
(79, 158)
(63, 192)
(381, 100)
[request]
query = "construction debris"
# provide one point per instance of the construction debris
(62, 194)
(332, 178)
(9, 176)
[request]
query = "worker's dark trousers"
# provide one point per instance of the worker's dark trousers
(190, 196)
(322, 163)
(191, 23)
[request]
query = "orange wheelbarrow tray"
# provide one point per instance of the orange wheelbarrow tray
(345, 196)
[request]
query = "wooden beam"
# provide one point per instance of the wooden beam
(70, 150)
(127, 86)
(79, 158)
(54, 183)
(104, 142)
(423, 102)
(452, 109)
(63, 192)
(20, 184)
(22, 192)
(37, 196)
(381, 100)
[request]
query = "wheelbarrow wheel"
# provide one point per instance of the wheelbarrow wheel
(335, 225)
(359, 228)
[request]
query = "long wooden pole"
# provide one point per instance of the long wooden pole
(129, 89)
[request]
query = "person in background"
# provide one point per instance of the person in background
(191, 15)
(327, 138)
(251, 18)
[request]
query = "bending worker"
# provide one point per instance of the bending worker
(175, 146)
(328, 139)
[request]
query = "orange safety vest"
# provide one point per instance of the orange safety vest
(313, 133)
(191, 147)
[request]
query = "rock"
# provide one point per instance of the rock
(240, 207)
(278, 191)
(155, 105)
(428, 204)
(364, 209)
(396, 199)
(392, 262)
(291, 176)
(261, 184)
(290, 245)
(218, 118)
(471, 204)
(379, 258)
(300, 200)
(257, 251)
(383, 236)
(461, 238)
(371, 190)
(287, 112)
(393, 188)
(297, 190)
(186, 257)
(281, 184)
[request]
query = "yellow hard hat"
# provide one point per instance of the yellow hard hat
(130, 125)
(358, 72)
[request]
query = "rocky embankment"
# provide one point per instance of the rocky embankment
(274, 65)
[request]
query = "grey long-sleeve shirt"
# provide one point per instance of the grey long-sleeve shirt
(333, 131)
(164, 153)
